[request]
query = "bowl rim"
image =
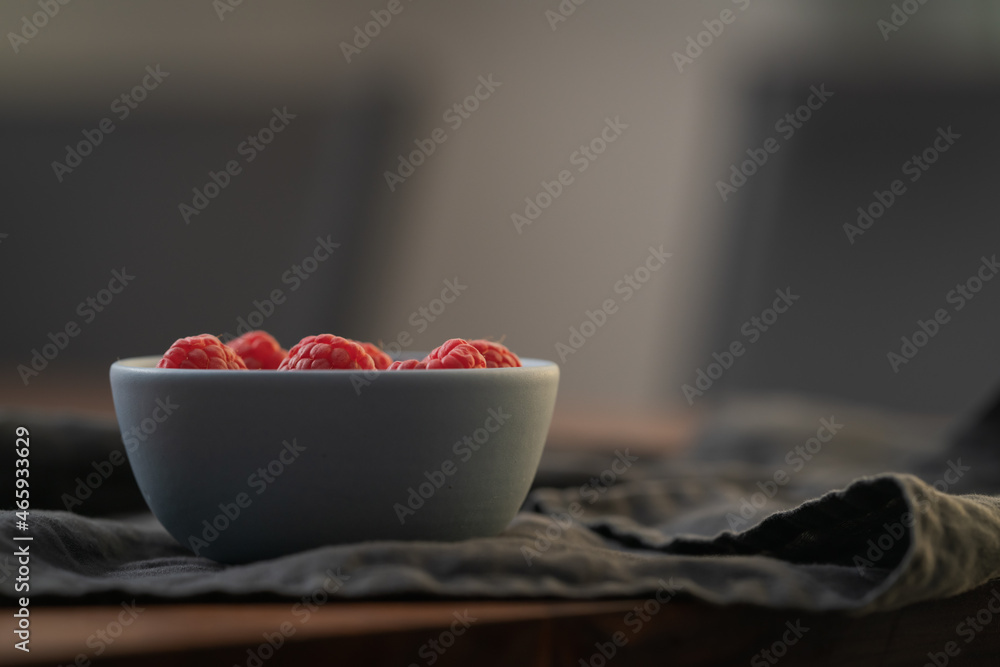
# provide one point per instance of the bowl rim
(147, 364)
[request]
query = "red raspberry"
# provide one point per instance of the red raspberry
(409, 364)
(455, 353)
(381, 359)
(324, 352)
(496, 355)
(202, 351)
(259, 350)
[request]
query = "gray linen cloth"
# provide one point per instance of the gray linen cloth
(781, 503)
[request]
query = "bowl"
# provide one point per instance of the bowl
(247, 465)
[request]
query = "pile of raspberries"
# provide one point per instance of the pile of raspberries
(258, 350)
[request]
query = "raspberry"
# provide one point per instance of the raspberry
(259, 350)
(455, 353)
(409, 364)
(496, 355)
(202, 351)
(324, 352)
(381, 359)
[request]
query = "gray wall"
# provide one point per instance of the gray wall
(654, 185)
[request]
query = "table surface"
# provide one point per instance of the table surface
(627, 632)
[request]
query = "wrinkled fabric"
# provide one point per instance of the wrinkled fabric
(741, 519)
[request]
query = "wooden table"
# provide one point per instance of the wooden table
(539, 633)
(681, 632)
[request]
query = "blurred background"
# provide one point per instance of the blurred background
(649, 110)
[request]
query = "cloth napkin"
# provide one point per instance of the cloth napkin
(781, 502)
